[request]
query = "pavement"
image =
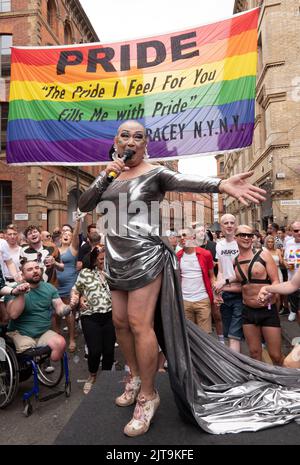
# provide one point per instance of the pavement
(49, 418)
(290, 329)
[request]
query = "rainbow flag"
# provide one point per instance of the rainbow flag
(193, 90)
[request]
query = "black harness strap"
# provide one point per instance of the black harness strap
(238, 265)
(251, 280)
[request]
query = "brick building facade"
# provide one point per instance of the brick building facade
(220, 174)
(275, 152)
(47, 195)
(44, 195)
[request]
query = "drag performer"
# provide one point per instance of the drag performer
(142, 272)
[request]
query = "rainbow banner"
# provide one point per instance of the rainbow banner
(193, 90)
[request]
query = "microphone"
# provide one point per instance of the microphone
(126, 156)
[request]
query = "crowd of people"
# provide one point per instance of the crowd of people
(218, 290)
(221, 283)
(229, 280)
(47, 277)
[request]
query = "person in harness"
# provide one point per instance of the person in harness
(260, 319)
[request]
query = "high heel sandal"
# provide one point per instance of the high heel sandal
(142, 416)
(89, 384)
(132, 388)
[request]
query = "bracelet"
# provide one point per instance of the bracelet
(218, 186)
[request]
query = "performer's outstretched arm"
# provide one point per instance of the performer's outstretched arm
(236, 186)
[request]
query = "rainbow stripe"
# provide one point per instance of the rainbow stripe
(193, 90)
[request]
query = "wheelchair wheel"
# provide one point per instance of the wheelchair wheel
(9, 376)
(50, 373)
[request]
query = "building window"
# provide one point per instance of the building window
(5, 52)
(260, 59)
(67, 33)
(5, 203)
(262, 123)
(3, 120)
(221, 167)
(51, 14)
(5, 5)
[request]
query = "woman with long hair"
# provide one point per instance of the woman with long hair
(92, 290)
(68, 253)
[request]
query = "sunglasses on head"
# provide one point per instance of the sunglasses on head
(100, 249)
(244, 235)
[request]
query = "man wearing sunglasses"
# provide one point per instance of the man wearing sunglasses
(292, 263)
(260, 319)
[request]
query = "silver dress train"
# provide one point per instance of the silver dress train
(216, 388)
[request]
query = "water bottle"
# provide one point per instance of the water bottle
(291, 261)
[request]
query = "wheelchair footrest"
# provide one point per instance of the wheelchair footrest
(36, 352)
(51, 396)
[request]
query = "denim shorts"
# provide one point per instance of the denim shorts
(231, 311)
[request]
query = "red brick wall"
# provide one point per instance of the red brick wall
(27, 22)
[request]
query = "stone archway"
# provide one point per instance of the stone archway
(52, 15)
(68, 32)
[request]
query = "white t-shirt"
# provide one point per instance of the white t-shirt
(39, 255)
(15, 255)
(4, 254)
(292, 255)
(192, 284)
(226, 253)
(287, 240)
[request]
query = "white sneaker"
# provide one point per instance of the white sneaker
(49, 369)
(292, 316)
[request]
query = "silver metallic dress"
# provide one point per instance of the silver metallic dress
(216, 388)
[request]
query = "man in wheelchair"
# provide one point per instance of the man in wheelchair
(30, 313)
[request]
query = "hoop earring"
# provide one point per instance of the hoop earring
(115, 155)
(146, 154)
